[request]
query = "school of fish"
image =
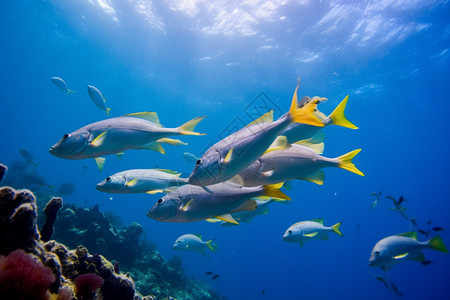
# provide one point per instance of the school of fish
(237, 177)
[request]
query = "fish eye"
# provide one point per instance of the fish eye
(160, 201)
(377, 252)
(66, 136)
(198, 162)
(108, 179)
(290, 231)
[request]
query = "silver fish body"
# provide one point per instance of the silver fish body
(97, 98)
(305, 231)
(141, 181)
(192, 242)
(61, 84)
(395, 249)
(247, 145)
(295, 162)
(190, 203)
(116, 135)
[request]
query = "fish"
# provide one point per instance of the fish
(425, 233)
(377, 198)
(66, 189)
(3, 170)
(309, 230)
(437, 228)
(149, 181)
(97, 98)
(298, 131)
(115, 135)
(26, 155)
(37, 179)
(398, 207)
(229, 156)
(295, 162)
(190, 157)
(215, 277)
(209, 273)
(190, 203)
(395, 249)
(193, 242)
(60, 83)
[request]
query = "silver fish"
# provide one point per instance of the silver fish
(60, 83)
(298, 131)
(237, 151)
(191, 203)
(133, 131)
(295, 162)
(193, 242)
(27, 156)
(309, 230)
(397, 248)
(97, 98)
(149, 181)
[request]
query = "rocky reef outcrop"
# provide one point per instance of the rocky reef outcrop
(39, 264)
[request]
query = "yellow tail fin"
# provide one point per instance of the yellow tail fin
(437, 243)
(305, 114)
(212, 246)
(345, 162)
(338, 116)
(107, 110)
(188, 127)
(336, 227)
(273, 190)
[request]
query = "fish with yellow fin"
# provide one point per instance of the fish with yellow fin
(299, 161)
(402, 247)
(150, 181)
(310, 230)
(228, 157)
(190, 203)
(115, 135)
(298, 131)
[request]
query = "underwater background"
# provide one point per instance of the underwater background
(230, 60)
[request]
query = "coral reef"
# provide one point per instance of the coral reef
(51, 211)
(152, 274)
(34, 267)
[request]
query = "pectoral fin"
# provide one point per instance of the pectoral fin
(228, 157)
(132, 182)
(400, 256)
(186, 206)
(313, 234)
(99, 139)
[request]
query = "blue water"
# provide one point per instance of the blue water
(184, 59)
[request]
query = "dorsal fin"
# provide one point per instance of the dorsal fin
(265, 118)
(320, 220)
(410, 234)
(146, 115)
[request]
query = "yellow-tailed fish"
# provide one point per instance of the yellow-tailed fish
(297, 131)
(61, 84)
(115, 135)
(234, 153)
(97, 98)
(149, 181)
(309, 230)
(398, 248)
(193, 242)
(190, 203)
